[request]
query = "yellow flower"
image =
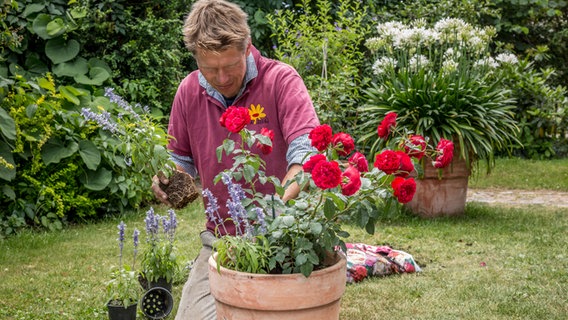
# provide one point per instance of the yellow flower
(256, 112)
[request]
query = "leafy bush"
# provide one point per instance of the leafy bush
(541, 110)
(56, 167)
(325, 47)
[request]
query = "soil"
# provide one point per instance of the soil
(181, 190)
(519, 197)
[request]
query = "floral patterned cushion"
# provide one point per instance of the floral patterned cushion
(367, 260)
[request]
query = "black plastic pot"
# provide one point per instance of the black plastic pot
(121, 313)
(157, 303)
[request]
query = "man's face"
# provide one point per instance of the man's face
(225, 70)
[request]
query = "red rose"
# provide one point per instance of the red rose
(351, 181)
(326, 174)
(445, 154)
(385, 126)
(359, 273)
(235, 118)
(359, 161)
(387, 161)
(311, 163)
(265, 148)
(406, 166)
(404, 189)
(321, 137)
(415, 146)
(343, 142)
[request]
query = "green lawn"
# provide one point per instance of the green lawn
(492, 263)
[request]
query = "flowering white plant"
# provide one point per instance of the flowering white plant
(443, 82)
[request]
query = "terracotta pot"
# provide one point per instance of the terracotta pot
(445, 196)
(247, 296)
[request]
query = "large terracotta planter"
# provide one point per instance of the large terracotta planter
(247, 296)
(445, 196)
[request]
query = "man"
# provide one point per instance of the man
(230, 72)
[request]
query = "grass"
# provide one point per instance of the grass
(62, 275)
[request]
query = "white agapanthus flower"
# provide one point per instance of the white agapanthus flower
(487, 62)
(507, 58)
(418, 62)
(449, 66)
(383, 64)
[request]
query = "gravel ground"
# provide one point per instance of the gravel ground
(519, 197)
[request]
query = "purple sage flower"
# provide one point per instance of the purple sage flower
(121, 227)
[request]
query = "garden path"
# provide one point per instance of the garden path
(519, 197)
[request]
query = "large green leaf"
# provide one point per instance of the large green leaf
(71, 68)
(6, 153)
(56, 27)
(55, 150)
(32, 8)
(58, 50)
(96, 180)
(96, 77)
(7, 125)
(90, 154)
(40, 26)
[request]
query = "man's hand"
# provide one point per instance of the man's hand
(158, 192)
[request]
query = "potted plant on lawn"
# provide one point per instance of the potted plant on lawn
(123, 288)
(442, 83)
(284, 261)
(159, 262)
(140, 142)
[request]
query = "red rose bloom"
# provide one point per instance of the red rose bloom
(311, 163)
(351, 181)
(387, 161)
(266, 149)
(406, 166)
(326, 174)
(416, 146)
(343, 142)
(385, 126)
(359, 273)
(321, 137)
(445, 151)
(403, 189)
(359, 161)
(235, 118)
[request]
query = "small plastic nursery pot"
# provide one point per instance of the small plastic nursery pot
(116, 312)
(157, 303)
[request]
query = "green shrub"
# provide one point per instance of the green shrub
(325, 47)
(55, 166)
(541, 110)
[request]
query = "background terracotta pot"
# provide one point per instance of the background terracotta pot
(247, 296)
(445, 196)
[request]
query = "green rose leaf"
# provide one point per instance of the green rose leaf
(7, 125)
(58, 50)
(90, 154)
(55, 150)
(96, 180)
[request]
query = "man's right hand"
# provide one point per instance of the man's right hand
(158, 192)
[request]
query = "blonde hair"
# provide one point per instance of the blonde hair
(216, 25)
